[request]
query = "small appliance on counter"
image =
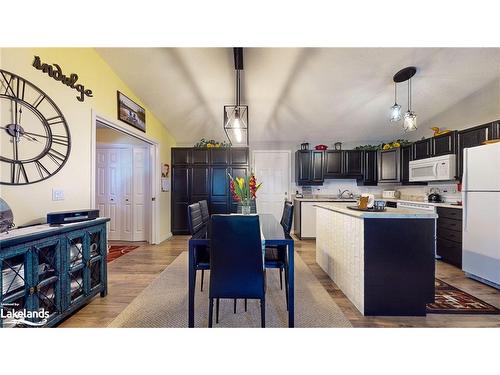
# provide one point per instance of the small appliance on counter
(66, 217)
(390, 194)
(434, 196)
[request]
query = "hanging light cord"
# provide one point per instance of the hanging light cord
(237, 88)
(395, 93)
(409, 95)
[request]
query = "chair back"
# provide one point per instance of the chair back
(205, 215)
(236, 264)
(194, 218)
(287, 217)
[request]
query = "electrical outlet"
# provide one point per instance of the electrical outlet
(57, 194)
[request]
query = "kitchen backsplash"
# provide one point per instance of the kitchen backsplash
(448, 191)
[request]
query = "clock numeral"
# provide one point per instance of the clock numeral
(8, 83)
(41, 169)
(56, 156)
(20, 89)
(60, 140)
(55, 120)
(18, 170)
(38, 100)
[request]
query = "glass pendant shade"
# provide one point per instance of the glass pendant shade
(410, 121)
(236, 124)
(395, 112)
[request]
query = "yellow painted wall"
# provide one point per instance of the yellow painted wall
(30, 203)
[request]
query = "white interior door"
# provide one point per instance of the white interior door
(108, 188)
(126, 199)
(272, 168)
(140, 198)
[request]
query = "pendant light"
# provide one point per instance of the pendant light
(410, 117)
(236, 116)
(396, 108)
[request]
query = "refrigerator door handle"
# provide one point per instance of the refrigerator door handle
(464, 190)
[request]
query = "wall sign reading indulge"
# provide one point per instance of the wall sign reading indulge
(55, 71)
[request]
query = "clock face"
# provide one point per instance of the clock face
(34, 136)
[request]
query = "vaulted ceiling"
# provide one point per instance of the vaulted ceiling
(297, 94)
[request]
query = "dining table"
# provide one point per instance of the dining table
(272, 234)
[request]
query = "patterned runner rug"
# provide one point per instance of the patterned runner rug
(450, 300)
(116, 251)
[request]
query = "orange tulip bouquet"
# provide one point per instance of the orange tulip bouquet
(244, 190)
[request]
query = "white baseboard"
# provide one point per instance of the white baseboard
(166, 237)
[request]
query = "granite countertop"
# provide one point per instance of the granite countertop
(318, 198)
(325, 199)
(389, 213)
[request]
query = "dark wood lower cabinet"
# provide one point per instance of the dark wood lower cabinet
(449, 235)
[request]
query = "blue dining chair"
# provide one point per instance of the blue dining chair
(198, 228)
(205, 215)
(236, 264)
(276, 256)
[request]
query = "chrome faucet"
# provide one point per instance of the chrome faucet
(341, 193)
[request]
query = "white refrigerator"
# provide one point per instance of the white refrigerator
(481, 214)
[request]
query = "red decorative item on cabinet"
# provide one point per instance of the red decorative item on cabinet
(321, 147)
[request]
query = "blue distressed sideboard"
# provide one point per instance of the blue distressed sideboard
(55, 270)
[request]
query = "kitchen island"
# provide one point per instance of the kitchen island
(382, 261)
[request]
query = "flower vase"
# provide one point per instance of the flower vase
(246, 210)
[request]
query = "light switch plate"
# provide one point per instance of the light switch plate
(57, 194)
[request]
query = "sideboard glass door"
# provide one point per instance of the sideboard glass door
(15, 282)
(97, 251)
(46, 290)
(77, 259)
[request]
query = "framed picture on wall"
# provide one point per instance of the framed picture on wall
(131, 112)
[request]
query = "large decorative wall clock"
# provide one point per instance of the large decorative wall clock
(35, 139)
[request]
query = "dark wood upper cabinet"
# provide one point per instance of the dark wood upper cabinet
(370, 167)
(200, 183)
(405, 163)
(219, 156)
(389, 165)
(333, 163)
(200, 156)
(495, 130)
(303, 167)
(238, 156)
(181, 156)
(353, 163)
(422, 149)
(471, 137)
(309, 167)
(444, 144)
(317, 166)
(219, 190)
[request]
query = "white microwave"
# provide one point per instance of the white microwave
(439, 168)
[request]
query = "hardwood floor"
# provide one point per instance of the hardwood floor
(132, 272)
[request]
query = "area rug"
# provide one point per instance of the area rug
(116, 251)
(164, 303)
(450, 300)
